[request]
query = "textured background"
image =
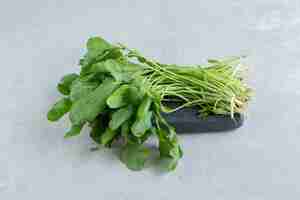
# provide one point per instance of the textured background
(42, 40)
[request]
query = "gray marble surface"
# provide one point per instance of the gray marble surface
(41, 40)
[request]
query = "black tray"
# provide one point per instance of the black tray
(187, 120)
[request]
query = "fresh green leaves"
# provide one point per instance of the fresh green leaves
(125, 130)
(74, 131)
(169, 149)
(87, 108)
(97, 50)
(108, 136)
(134, 95)
(59, 109)
(141, 125)
(120, 116)
(64, 86)
(124, 95)
(120, 93)
(144, 107)
(97, 45)
(119, 98)
(115, 68)
(143, 118)
(112, 95)
(134, 156)
(81, 89)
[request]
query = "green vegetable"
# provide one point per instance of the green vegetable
(144, 107)
(65, 83)
(170, 151)
(96, 47)
(112, 53)
(93, 78)
(88, 107)
(124, 95)
(107, 136)
(125, 129)
(81, 89)
(74, 131)
(119, 98)
(59, 109)
(121, 94)
(135, 156)
(134, 95)
(112, 67)
(143, 118)
(141, 125)
(120, 116)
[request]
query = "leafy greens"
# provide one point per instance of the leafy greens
(120, 94)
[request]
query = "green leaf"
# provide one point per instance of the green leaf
(113, 53)
(165, 147)
(74, 131)
(119, 97)
(134, 95)
(114, 68)
(81, 89)
(108, 136)
(93, 77)
(65, 83)
(125, 129)
(126, 134)
(126, 94)
(169, 155)
(141, 125)
(144, 107)
(97, 44)
(134, 156)
(117, 70)
(168, 146)
(143, 118)
(120, 116)
(92, 58)
(59, 109)
(97, 49)
(87, 108)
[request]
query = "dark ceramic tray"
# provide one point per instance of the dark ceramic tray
(187, 120)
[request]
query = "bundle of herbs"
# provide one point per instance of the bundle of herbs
(121, 94)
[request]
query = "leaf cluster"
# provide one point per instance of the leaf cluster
(121, 94)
